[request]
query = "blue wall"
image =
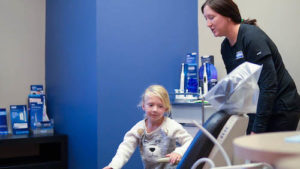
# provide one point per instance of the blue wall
(71, 72)
(100, 56)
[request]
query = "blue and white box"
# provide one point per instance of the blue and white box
(19, 119)
(36, 89)
(3, 122)
(191, 69)
(39, 120)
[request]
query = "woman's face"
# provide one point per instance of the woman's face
(216, 22)
(154, 108)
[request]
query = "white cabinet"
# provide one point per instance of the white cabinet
(184, 113)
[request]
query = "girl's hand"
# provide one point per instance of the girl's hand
(107, 167)
(174, 158)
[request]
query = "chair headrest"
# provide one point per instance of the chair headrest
(238, 92)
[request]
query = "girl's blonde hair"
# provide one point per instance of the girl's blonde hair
(158, 91)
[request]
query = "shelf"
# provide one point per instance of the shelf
(33, 151)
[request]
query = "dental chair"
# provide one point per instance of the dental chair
(224, 128)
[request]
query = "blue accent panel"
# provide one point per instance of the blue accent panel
(71, 76)
(100, 57)
(140, 43)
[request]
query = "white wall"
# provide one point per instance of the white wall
(278, 18)
(22, 41)
(22, 49)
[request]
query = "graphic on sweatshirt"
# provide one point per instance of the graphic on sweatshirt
(154, 146)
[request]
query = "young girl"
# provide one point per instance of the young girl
(156, 135)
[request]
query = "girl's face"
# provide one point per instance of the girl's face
(216, 22)
(154, 108)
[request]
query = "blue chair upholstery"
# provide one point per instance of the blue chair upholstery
(201, 145)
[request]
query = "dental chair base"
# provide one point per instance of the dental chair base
(235, 126)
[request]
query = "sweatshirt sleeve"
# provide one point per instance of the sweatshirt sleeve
(182, 136)
(126, 148)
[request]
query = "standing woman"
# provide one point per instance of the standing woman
(278, 106)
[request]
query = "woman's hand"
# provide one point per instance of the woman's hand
(174, 157)
(107, 167)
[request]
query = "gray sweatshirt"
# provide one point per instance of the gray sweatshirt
(169, 137)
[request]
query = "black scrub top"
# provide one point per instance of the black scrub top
(278, 93)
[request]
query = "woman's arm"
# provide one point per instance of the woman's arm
(259, 52)
(268, 88)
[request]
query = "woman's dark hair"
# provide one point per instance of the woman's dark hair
(229, 9)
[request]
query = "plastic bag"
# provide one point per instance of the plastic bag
(238, 92)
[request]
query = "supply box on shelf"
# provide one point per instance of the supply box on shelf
(3, 122)
(195, 80)
(39, 120)
(191, 71)
(208, 76)
(19, 119)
